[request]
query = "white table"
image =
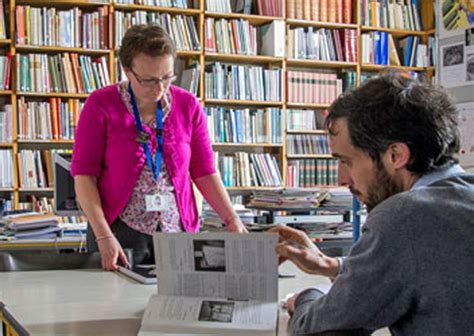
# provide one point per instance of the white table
(93, 302)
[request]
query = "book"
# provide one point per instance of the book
(214, 284)
(272, 43)
(144, 274)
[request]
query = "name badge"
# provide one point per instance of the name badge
(156, 202)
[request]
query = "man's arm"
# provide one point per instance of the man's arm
(374, 288)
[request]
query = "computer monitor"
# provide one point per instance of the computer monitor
(65, 203)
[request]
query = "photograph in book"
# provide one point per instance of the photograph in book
(209, 255)
(214, 284)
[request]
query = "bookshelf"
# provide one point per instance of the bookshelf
(344, 25)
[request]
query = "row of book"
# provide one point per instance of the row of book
(307, 144)
(157, 3)
(244, 126)
(396, 14)
(43, 204)
(263, 7)
(181, 28)
(242, 82)
(311, 173)
(6, 168)
(46, 120)
(48, 26)
(3, 27)
(339, 11)
(6, 204)
(305, 120)
(5, 71)
(323, 44)
(382, 48)
(35, 168)
(67, 72)
(313, 87)
(230, 36)
(6, 124)
(248, 170)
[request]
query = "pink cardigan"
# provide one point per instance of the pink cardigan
(106, 147)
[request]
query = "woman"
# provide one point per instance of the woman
(138, 146)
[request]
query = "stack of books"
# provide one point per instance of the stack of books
(289, 198)
(30, 225)
(210, 219)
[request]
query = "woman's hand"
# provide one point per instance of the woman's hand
(111, 252)
(236, 225)
(295, 245)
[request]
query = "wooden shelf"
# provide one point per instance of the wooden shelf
(307, 105)
(309, 156)
(62, 3)
(245, 145)
(5, 92)
(5, 145)
(5, 41)
(237, 58)
(169, 10)
(318, 24)
(188, 53)
(6, 190)
(252, 188)
(36, 190)
(47, 142)
(54, 95)
(394, 32)
(320, 64)
(255, 20)
(242, 102)
(306, 132)
(378, 67)
(58, 49)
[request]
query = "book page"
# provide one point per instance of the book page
(208, 315)
(218, 265)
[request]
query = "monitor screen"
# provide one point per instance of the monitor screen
(64, 194)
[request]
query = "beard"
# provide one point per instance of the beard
(380, 188)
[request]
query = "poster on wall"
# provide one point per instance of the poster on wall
(466, 120)
(457, 62)
(457, 16)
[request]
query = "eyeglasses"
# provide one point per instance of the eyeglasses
(154, 81)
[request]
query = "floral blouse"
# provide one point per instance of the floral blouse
(134, 213)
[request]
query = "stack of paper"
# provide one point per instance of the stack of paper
(30, 225)
(289, 198)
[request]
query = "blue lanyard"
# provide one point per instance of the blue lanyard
(143, 136)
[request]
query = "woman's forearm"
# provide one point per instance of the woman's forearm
(89, 199)
(213, 190)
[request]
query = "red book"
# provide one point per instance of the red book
(8, 71)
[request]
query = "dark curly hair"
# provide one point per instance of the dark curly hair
(396, 108)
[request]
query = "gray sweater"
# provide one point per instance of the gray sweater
(412, 270)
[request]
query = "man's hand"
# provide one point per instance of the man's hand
(110, 252)
(295, 245)
(290, 304)
(236, 225)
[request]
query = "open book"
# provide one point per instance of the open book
(214, 284)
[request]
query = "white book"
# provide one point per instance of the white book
(272, 43)
(214, 284)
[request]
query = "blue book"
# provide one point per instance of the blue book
(376, 36)
(384, 48)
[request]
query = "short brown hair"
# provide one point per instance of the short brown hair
(150, 39)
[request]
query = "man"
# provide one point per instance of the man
(413, 268)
